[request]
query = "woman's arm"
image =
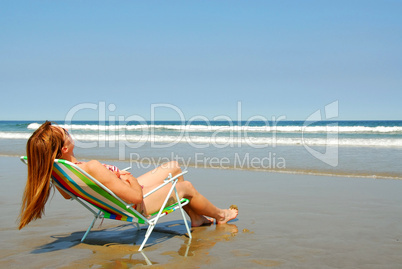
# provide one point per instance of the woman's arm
(127, 188)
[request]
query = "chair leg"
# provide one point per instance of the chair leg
(183, 215)
(137, 225)
(146, 258)
(147, 234)
(90, 227)
(187, 247)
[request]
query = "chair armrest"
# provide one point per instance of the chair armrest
(168, 180)
(127, 168)
(24, 159)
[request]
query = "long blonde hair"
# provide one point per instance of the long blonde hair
(43, 147)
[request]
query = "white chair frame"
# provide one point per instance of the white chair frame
(151, 222)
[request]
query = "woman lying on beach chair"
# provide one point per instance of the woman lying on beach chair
(51, 142)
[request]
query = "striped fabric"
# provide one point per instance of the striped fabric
(72, 180)
(77, 183)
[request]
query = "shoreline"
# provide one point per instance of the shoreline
(380, 163)
(344, 174)
(285, 221)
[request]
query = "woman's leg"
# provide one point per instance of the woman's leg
(154, 178)
(198, 206)
(202, 206)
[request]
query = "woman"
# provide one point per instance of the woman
(51, 142)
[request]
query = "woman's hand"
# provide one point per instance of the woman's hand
(128, 178)
(117, 173)
(124, 172)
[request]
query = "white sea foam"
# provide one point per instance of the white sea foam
(225, 140)
(7, 135)
(33, 126)
(251, 141)
(222, 128)
(170, 133)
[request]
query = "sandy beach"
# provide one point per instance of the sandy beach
(285, 221)
(289, 110)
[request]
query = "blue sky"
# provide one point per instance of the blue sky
(278, 58)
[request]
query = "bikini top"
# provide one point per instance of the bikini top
(112, 168)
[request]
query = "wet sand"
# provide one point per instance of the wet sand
(285, 221)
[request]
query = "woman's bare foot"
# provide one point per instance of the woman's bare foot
(227, 215)
(199, 220)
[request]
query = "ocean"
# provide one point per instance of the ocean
(345, 148)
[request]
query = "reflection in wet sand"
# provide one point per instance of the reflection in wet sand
(122, 254)
(204, 239)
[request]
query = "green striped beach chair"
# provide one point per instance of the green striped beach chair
(103, 203)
